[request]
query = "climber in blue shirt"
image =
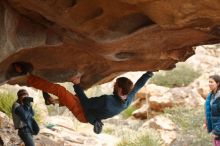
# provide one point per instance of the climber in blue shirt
(106, 106)
(85, 109)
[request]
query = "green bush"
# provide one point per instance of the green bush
(190, 122)
(180, 76)
(6, 101)
(141, 140)
(128, 112)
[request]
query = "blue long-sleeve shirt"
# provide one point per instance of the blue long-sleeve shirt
(212, 108)
(26, 113)
(208, 113)
(107, 106)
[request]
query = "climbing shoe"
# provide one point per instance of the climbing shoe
(18, 69)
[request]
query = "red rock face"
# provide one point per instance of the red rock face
(101, 39)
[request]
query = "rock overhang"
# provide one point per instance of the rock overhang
(102, 39)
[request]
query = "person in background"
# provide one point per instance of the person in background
(212, 109)
(22, 113)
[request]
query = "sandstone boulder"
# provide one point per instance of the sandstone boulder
(102, 39)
